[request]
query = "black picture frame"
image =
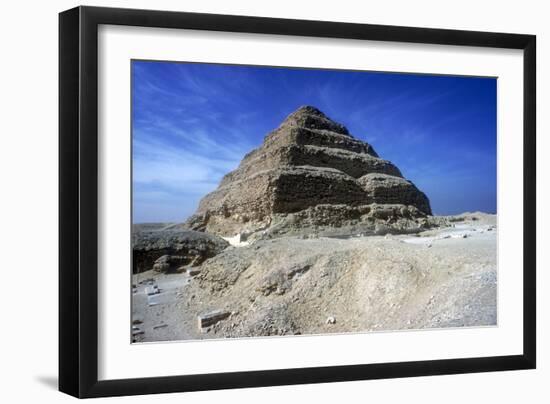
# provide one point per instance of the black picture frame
(78, 201)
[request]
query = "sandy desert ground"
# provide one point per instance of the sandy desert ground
(444, 277)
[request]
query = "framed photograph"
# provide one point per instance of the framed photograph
(251, 201)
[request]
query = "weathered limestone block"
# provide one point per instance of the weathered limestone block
(211, 318)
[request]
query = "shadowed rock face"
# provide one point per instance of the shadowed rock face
(308, 160)
(166, 249)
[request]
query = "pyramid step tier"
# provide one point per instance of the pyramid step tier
(351, 163)
(290, 189)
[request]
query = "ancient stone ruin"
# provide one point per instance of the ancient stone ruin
(172, 249)
(311, 172)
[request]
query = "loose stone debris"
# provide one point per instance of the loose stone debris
(208, 319)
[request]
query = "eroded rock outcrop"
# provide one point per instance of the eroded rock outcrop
(168, 250)
(309, 161)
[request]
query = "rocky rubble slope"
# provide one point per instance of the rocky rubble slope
(167, 249)
(444, 277)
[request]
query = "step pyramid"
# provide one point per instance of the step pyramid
(308, 161)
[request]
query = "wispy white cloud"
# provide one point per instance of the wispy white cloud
(158, 161)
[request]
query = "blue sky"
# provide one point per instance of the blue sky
(192, 123)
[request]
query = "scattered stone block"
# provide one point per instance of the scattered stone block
(331, 320)
(153, 290)
(211, 318)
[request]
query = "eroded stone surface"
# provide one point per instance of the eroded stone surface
(166, 250)
(211, 318)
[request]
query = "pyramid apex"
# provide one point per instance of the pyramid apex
(310, 117)
(309, 110)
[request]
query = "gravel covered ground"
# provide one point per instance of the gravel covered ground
(445, 277)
